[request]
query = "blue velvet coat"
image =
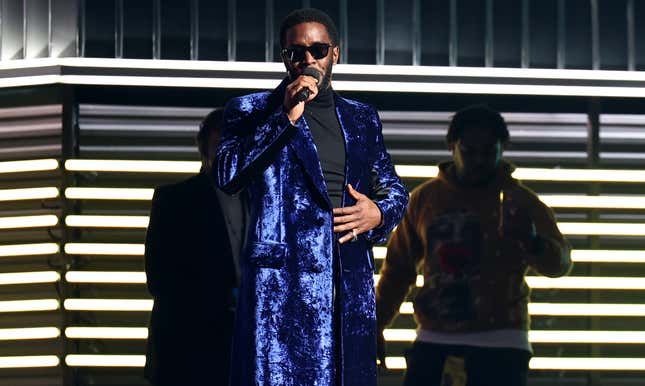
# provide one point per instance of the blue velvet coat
(293, 270)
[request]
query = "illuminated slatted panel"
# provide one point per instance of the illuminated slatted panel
(596, 313)
(111, 306)
(538, 138)
(30, 208)
(622, 137)
(116, 192)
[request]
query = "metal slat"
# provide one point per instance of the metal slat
(562, 34)
(526, 34)
(232, 30)
(194, 29)
(453, 50)
(156, 29)
(416, 33)
(380, 32)
(595, 36)
(269, 33)
(489, 49)
(631, 36)
(118, 28)
(344, 31)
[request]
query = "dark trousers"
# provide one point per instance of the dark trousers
(484, 366)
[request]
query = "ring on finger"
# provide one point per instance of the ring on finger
(354, 235)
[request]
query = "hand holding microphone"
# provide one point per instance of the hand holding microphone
(303, 89)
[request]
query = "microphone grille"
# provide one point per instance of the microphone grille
(310, 71)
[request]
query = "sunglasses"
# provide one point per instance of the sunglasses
(297, 53)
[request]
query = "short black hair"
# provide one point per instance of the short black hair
(308, 15)
(210, 125)
(480, 117)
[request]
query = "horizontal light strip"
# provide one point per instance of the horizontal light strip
(13, 362)
(340, 85)
(567, 228)
(569, 309)
(541, 174)
(399, 335)
(571, 282)
(107, 221)
(483, 88)
(406, 171)
(109, 193)
(586, 282)
(416, 171)
(106, 277)
(604, 202)
(75, 360)
(36, 165)
(45, 220)
(577, 255)
(546, 336)
(106, 332)
(28, 194)
(133, 166)
(29, 277)
(28, 249)
(579, 175)
(111, 249)
(419, 280)
(363, 69)
(601, 229)
(29, 333)
(584, 364)
(406, 308)
(29, 305)
(559, 363)
(108, 304)
(607, 256)
(600, 337)
(586, 309)
(147, 64)
(492, 72)
(174, 81)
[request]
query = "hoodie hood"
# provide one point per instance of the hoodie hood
(503, 177)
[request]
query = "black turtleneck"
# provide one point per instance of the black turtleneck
(320, 114)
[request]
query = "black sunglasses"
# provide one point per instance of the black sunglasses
(296, 53)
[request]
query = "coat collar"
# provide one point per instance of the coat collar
(304, 147)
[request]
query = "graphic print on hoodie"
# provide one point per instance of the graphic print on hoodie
(454, 240)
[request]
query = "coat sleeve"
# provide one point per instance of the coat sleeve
(249, 139)
(158, 251)
(387, 191)
(399, 270)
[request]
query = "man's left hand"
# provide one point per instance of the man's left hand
(357, 219)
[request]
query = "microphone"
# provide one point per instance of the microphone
(304, 92)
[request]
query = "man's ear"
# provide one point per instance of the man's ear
(335, 52)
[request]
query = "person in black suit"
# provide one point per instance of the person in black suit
(192, 245)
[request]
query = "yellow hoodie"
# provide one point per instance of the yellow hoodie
(473, 270)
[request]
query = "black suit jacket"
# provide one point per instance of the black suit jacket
(191, 276)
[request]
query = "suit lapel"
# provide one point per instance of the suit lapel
(303, 146)
(353, 145)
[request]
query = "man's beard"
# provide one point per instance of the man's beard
(325, 82)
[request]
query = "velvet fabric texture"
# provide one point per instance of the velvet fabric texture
(294, 272)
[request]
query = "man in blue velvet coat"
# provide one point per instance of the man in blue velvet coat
(322, 191)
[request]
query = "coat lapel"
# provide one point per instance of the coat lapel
(354, 146)
(303, 146)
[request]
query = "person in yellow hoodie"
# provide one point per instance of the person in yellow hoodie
(473, 231)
